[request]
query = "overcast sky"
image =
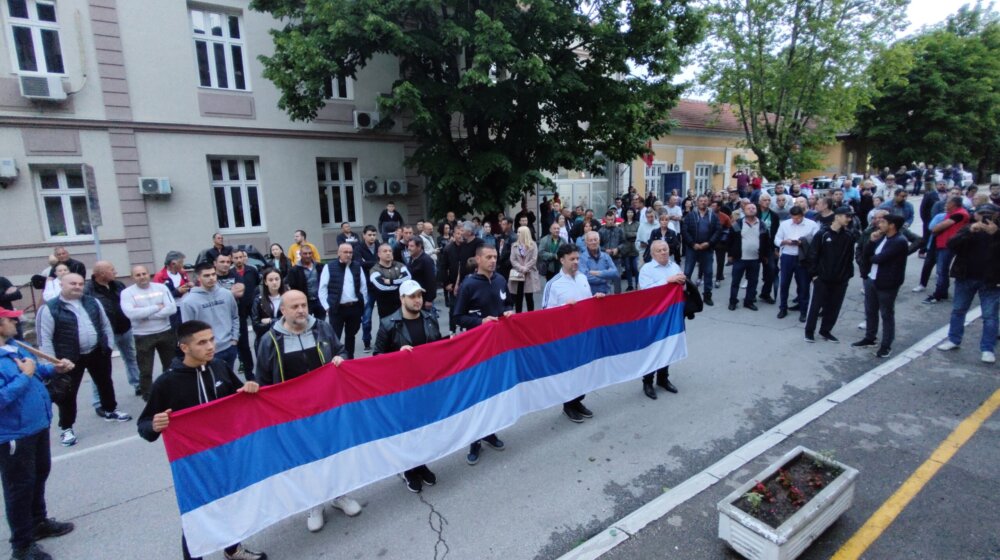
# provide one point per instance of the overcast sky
(920, 13)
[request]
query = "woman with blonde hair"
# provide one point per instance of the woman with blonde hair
(524, 280)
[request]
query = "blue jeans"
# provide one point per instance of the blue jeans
(989, 301)
(126, 347)
(944, 257)
(366, 321)
(631, 265)
(790, 268)
(229, 356)
(704, 259)
(752, 270)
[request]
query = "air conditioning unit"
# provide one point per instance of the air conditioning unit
(673, 167)
(154, 186)
(718, 169)
(365, 119)
(373, 187)
(42, 87)
(396, 187)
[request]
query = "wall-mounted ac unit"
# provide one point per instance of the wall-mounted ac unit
(365, 119)
(718, 169)
(42, 87)
(154, 186)
(396, 187)
(373, 187)
(673, 167)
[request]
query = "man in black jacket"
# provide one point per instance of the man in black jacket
(976, 269)
(366, 253)
(749, 246)
(409, 326)
(769, 264)
(830, 264)
(104, 287)
(250, 278)
(422, 270)
(482, 299)
(75, 266)
(304, 277)
(884, 259)
(700, 232)
(195, 379)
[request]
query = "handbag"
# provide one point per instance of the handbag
(59, 386)
(516, 275)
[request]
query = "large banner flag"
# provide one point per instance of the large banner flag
(245, 462)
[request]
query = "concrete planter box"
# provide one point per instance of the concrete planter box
(755, 539)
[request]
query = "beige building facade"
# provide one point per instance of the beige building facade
(173, 92)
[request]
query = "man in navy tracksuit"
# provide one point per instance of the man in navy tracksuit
(482, 298)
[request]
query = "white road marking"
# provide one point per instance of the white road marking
(100, 447)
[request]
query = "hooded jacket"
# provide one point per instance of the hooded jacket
(831, 255)
(480, 297)
(183, 386)
(284, 355)
(218, 308)
(25, 407)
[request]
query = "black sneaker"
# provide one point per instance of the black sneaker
(243, 553)
(930, 300)
(138, 392)
(795, 307)
(767, 299)
(782, 313)
(368, 348)
(829, 337)
(584, 411)
(493, 441)
(732, 306)
(473, 457)
(750, 306)
(30, 552)
(426, 476)
(100, 412)
(707, 300)
(413, 483)
(810, 338)
(883, 353)
(52, 528)
(864, 343)
(573, 415)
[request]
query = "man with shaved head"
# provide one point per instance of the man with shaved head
(104, 287)
(150, 307)
(342, 292)
(75, 327)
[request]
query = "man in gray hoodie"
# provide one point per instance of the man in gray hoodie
(217, 307)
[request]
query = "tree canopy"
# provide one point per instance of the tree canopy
(794, 71)
(938, 96)
(495, 91)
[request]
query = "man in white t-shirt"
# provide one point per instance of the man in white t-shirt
(149, 306)
(659, 271)
(675, 213)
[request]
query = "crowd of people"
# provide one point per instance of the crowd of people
(297, 312)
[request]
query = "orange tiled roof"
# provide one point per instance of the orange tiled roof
(691, 114)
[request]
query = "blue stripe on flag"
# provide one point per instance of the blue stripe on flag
(212, 474)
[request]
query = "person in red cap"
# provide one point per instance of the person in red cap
(25, 460)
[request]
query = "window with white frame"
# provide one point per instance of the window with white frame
(239, 203)
(654, 176)
(220, 49)
(702, 178)
(34, 34)
(64, 202)
(338, 192)
(338, 87)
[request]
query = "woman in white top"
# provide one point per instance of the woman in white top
(524, 280)
(563, 230)
(266, 307)
(53, 285)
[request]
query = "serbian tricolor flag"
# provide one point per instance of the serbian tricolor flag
(245, 462)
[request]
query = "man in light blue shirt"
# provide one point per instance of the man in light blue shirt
(660, 271)
(596, 265)
(566, 288)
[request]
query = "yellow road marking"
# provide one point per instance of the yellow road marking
(881, 519)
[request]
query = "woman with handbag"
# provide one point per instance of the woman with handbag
(25, 459)
(524, 281)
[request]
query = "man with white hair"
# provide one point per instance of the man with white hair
(661, 270)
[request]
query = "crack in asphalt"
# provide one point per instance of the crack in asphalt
(439, 530)
(112, 506)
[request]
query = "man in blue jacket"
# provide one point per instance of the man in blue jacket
(25, 459)
(885, 260)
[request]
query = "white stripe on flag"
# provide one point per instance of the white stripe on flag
(246, 512)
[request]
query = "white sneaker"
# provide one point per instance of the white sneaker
(67, 437)
(315, 520)
(947, 345)
(989, 358)
(348, 505)
(919, 288)
(863, 325)
(743, 285)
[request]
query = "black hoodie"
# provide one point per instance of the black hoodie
(480, 297)
(178, 388)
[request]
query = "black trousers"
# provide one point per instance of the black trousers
(662, 375)
(243, 347)
(827, 297)
(98, 364)
(880, 304)
(24, 467)
(520, 296)
(346, 323)
(750, 268)
(930, 261)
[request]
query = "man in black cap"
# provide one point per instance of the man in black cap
(830, 264)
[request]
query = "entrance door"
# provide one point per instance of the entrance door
(673, 183)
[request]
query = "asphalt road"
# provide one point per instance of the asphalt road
(559, 483)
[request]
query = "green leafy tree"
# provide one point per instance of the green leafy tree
(938, 96)
(495, 91)
(793, 71)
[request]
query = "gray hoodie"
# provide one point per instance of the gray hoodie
(217, 308)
